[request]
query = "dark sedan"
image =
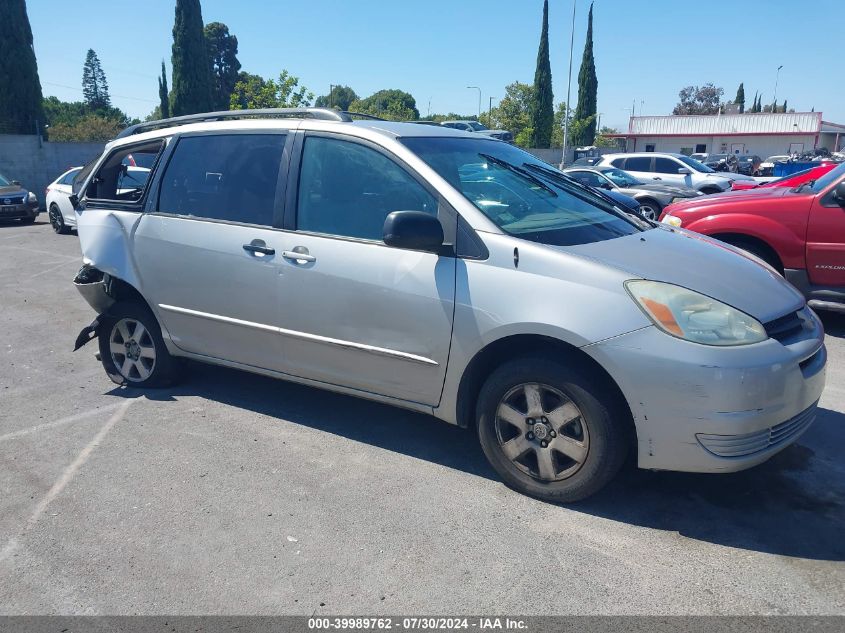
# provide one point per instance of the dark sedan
(16, 202)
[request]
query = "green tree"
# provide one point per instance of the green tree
(222, 48)
(90, 127)
(340, 97)
(514, 113)
(163, 97)
(783, 107)
(392, 104)
(69, 113)
(252, 91)
(699, 100)
(603, 138)
(192, 85)
(542, 108)
(739, 99)
(20, 90)
(588, 85)
(95, 88)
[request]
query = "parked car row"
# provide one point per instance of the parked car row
(488, 289)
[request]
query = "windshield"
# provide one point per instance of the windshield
(621, 178)
(695, 165)
(830, 177)
(3, 181)
(508, 186)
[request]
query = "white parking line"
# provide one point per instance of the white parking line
(67, 475)
(68, 420)
(51, 269)
(52, 254)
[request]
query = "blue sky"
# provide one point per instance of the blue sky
(645, 50)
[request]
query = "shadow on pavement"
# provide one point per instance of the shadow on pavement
(834, 323)
(792, 505)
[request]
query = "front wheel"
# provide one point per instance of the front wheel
(57, 221)
(650, 209)
(549, 430)
(132, 350)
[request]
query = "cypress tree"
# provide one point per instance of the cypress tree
(95, 88)
(542, 106)
(740, 98)
(783, 108)
(191, 91)
(588, 85)
(164, 100)
(21, 99)
(222, 49)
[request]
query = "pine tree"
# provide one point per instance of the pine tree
(192, 83)
(95, 88)
(739, 99)
(223, 55)
(587, 90)
(164, 100)
(542, 106)
(21, 109)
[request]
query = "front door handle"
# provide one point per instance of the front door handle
(657, 178)
(299, 254)
(259, 247)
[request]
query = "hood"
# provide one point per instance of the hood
(728, 197)
(12, 190)
(701, 264)
(675, 190)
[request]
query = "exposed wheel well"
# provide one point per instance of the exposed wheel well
(508, 348)
(754, 244)
(710, 190)
(120, 290)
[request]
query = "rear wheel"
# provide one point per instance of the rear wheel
(549, 430)
(57, 221)
(132, 350)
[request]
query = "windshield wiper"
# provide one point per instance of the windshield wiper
(520, 171)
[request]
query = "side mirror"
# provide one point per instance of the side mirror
(839, 193)
(413, 230)
(684, 171)
(16, 182)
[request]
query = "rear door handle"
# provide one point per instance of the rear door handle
(299, 254)
(259, 247)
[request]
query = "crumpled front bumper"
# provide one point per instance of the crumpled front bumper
(699, 408)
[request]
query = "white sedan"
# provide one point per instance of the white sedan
(59, 209)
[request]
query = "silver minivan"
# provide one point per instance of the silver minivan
(447, 273)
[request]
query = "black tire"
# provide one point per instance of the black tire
(708, 191)
(759, 252)
(604, 427)
(57, 220)
(162, 370)
(30, 219)
(656, 209)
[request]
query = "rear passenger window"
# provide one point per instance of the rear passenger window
(230, 177)
(348, 189)
(638, 163)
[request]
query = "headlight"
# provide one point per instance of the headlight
(694, 317)
(672, 220)
(30, 197)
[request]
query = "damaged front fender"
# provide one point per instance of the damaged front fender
(95, 287)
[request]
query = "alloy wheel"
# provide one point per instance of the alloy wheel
(542, 432)
(56, 219)
(649, 212)
(132, 350)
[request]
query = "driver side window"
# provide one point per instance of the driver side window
(666, 166)
(119, 178)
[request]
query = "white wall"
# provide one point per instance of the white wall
(762, 146)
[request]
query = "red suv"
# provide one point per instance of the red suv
(800, 232)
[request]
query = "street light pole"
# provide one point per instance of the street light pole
(331, 95)
(777, 76)
(568, 89)
(479, 97)
(490, 112)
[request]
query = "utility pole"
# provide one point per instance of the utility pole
(479, 97)
(775, 100)
(331, 95)
(568, 89)
(490, 113)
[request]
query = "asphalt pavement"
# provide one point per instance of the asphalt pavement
(233, 493)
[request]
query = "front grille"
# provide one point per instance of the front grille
(750, 443)
(11, 200)
(785, 327)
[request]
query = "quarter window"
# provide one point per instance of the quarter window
(231, 177)
(348, 189)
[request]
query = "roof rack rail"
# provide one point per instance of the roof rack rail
(325, 114)
(361, 115)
